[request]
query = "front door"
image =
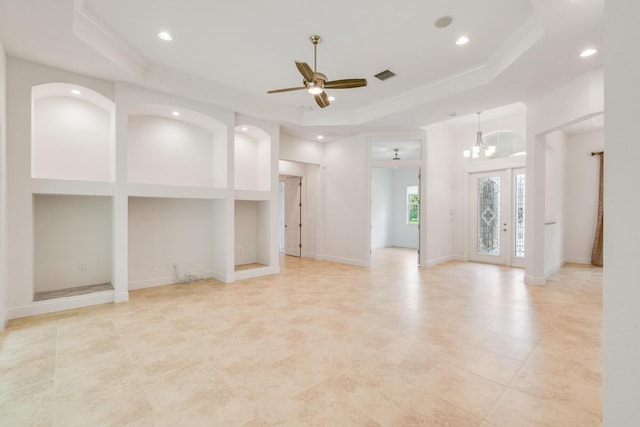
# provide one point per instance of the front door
(497, 217)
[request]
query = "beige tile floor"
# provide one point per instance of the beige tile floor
(459, 344)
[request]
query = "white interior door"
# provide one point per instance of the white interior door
(292, 216)
(490, 217)
(497, 217)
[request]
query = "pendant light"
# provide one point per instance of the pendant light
(396, 155)
(479, 149)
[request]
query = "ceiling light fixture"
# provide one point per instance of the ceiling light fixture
(395, 157)
(75, 91)
(165, 36)
(314, 89)
(244, 128)
(462, 40)
(320, 137)
(588, 52)
(176, 114)
(443, 22)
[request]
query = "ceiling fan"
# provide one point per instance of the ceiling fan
(315, 83)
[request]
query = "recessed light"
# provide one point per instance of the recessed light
(75, 91)
(320, 137)
(165, 36)
(176, 114)
(462, 40)
(332, 98)
(244, 128)
(588, 52)
(443, 22)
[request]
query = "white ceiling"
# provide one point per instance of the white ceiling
(231, 52)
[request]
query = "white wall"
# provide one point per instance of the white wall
(381, 207)
(403, 235)
(72, 241)
(164, 232)
(3, 188)
(71, 140)
(581, 191)
(168, 151)
(621, 331)
(440, 197)
(554, 201)
(347, 200)
(301, 150)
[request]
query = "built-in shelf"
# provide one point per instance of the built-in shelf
(177, 191)
(69, 187)
(72, 292)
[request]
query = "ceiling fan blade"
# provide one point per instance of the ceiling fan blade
(305, 70)
(322, 99)
(286, 89)
(345, 83)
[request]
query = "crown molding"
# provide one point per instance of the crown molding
(93, 32)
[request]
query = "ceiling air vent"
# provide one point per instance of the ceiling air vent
(384, 75)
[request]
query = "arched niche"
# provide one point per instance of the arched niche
(171, 145)
(72, 133)
(252, 158)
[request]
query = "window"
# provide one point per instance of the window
(413, 205)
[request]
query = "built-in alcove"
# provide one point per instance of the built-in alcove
(175, 240)
(72, 245)
(252, 231)
(175, 146)
(252, 158)
(72, 133)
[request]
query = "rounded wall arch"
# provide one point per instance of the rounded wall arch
(72, 133)
(252, 158)
(171, 145)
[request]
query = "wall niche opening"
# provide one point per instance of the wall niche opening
(72, 245)
(168, 145)
(72, 133)
(252, 231)
(252, 158)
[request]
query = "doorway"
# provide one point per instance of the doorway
(291, 215)
(395, 210)
(497, 217)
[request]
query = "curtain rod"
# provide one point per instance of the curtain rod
(597, 153)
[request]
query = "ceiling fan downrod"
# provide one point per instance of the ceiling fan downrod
(315, 39)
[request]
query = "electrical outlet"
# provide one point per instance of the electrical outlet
(82, 266)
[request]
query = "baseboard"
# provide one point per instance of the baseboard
(256, 272)
(61, 304)
(3, 321)
(169, 280)
(441, 260)
(553, 270)
(460, 258)
(349, 261)
(121, 297)
(576, 260)
(533, 280)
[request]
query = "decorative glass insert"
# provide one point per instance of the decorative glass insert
(488, 216)
(519, 240)
(413, 205)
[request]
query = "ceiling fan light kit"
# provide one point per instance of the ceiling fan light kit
(315, 83)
